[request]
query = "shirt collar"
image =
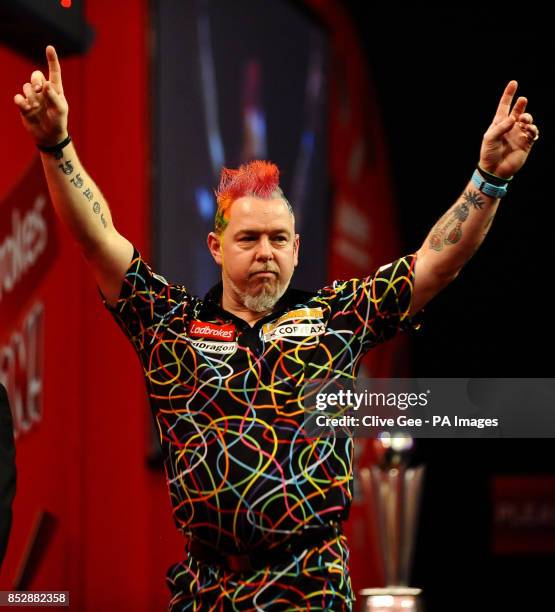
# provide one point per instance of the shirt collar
(291, 297)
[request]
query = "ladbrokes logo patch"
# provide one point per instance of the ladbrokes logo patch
(199, 329)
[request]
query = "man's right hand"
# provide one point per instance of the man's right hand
(43, 106)
(77, 199)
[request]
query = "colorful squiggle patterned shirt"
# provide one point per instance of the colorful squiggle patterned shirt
(242, 475)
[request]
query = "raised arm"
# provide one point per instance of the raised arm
(77, 199)
(458, 234)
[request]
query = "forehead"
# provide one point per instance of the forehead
(257, 214)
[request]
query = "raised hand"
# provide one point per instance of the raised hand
(43, 106)
(510, 137)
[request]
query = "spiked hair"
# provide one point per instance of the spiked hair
(259, 179)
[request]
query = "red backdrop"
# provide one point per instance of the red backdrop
(81, 454)
(82, 445)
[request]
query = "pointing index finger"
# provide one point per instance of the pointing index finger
(54, 70)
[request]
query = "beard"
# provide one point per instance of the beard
(264, 300)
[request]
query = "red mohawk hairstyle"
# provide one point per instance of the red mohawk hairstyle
(259, 179)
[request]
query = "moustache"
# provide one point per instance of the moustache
(267, 268)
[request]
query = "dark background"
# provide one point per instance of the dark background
(235, 35)
(438, 74)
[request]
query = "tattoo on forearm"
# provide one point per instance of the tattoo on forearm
(66, 168)
(448, 230)
(473, 198)
(96, 210)
(77, 181)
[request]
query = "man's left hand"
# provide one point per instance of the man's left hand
(510, 137)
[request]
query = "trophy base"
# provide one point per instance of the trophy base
(391, 599)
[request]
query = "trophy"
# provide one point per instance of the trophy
(392, 490)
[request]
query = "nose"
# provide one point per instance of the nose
(264, 249)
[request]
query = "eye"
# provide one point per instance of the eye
(280, 239)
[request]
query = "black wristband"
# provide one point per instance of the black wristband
(492, 178)
(56, 149)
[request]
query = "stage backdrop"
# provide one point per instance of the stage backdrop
(75, 384)
(82, 424)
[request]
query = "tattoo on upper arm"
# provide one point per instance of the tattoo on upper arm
(448, 230)
(104, 222)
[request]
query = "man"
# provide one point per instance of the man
(7, 471)
(260, 501)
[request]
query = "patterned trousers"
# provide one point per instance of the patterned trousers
(313, 579)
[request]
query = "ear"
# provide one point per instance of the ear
(214, 242)
(296, 249)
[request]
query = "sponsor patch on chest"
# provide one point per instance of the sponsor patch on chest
(209, 346)
(223, 333)
(302, 330)
(288, 325)
(299, 313)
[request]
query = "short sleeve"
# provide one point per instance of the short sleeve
(145, 301)
(377, 306)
